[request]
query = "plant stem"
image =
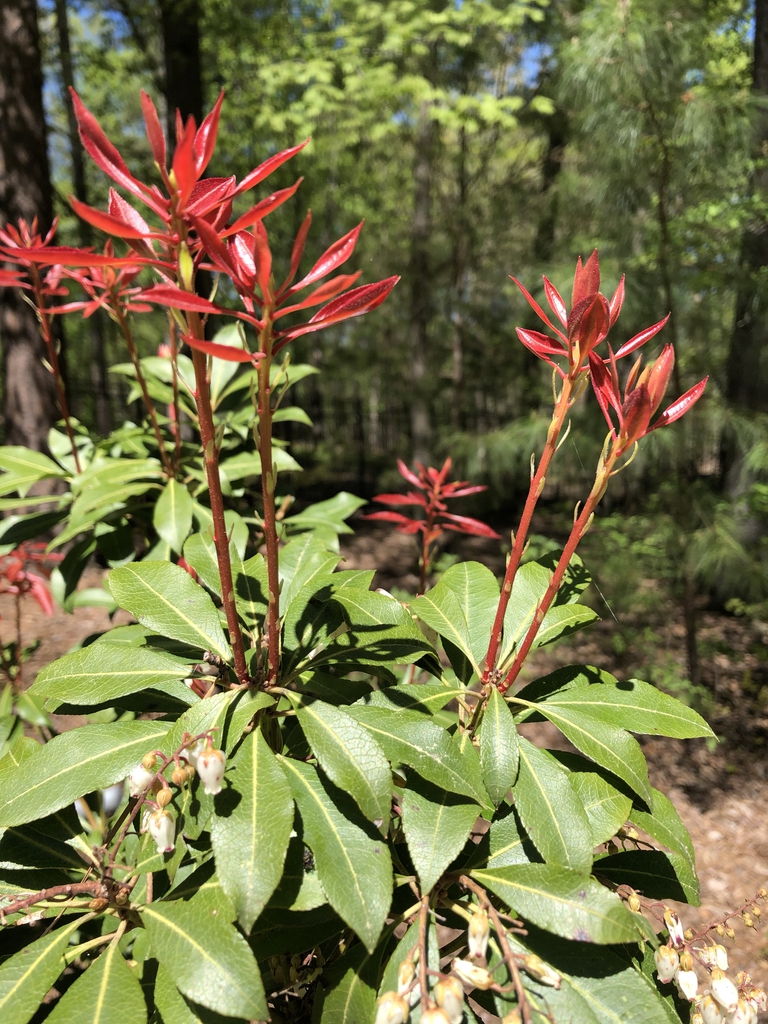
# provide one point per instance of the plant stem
(53, 359)
(128, 335)
(577, 532)
(268, 481)
(426, 1002)
(538, 480)
(220, 538)
(175, 383)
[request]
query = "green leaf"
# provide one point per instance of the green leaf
(251, 590)
(175, 1009)
(550, 810)
(606, 802)
(166, 599)
(606, 744)
(24, 468)
(381, 630)
(436, 825)
(74, 763)
(429, 697)
(246, 464)
(103, 672)
(508, 842)
(226, 713)
(208, 959)
(302, 560)
(299, 887)
(331, 512)
(404, 949)
(499, 747)
(250, 840)
(564, 902)
(353, 862)
(348, 754)
(27, 976)
(658, 875)
(350, 995)
(107, 992)
(200, 553)
(408, 737)
(665, 826)
(172, 517)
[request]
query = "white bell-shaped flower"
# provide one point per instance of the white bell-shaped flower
(724, 991)
(405, 975)
(162, 827)
(667, 962)
(687, 983)
(478, 933)
(743, 1014)
(435, 1016)
(449, 996)
(541, 971)
(140, 780)
(711, 1010)
(391, 1009)
(472, 975)
(210, 767)
(675, 929)
(721, 957)
(192, 753)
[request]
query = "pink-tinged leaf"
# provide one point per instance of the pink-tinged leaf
(154, 129)
(636, 415)
(263, 257)
(12, 279)
(242, 246)
(205, 139)
(208, 194)
(586, 280)
(123, 211)
(617, 301)
(183, 163)
(681, 406)
(405, 525)
(69, 256)
(658, 378)
(540, 344)
(537, 309)
(555, 301)
(227, 352)
(331, 259)
(297, 252)
(461, 492)
(409, 475)
(355, 303)
(38, 588)
(105, 221)
(177, 298)
(327, 290)
(264, 170)
(445, 470)
(602, 386)
(465, 524)
(216, 249)
(588, 324)
(106, 156)
(401, 499)
(641, 338)
(262, 208)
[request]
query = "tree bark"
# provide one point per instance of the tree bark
(25, 191)
(747, 367)
(421, 286)
(96, 325)
(180, 26)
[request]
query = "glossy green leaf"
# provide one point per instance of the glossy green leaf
(299, 887)
(302, 561)
(24, 467)
(108, 991)
(436, 825)
(175, 1009)
(74, 763)
(251, 589)
(606, 744)
(410, 738)
(353, 862)
(200, 553)
(349, 755)
(381, 630)
(606, 801)
(349, 992)
(172, 517)
(403, 949)
(246, 464)
(207, 958)
(499, 747)
(551, 811)
(103, 672)
(250, 840)
(226, 714)
(165, 598)
(508, 842)
(658, 875)
(562, 901)
(665, 826)
(429, 697)
(27, 976)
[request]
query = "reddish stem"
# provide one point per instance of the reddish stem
(53, 359)
(175, 382)
(579, 529)
(534, 493)
(268, 481)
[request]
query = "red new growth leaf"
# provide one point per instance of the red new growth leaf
(331, 259)
(264, 170)
(177, 298)
(229, 353)
(154, 129)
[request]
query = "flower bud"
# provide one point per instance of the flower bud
(478, 933)
(720, 929)
(724, 991)
(730, 933)
(667, 962)
(405, 973)
(391, 1009)
(634, 903)
(756, 911)
(686, 961)
(162, 828)
(542, 972)
(711, 1010)
(449, 996)
(194, 750)
(149, 761)
(687, 983)
(696, 1018)
(435, 1016)
(164, 797)
(759, 998)
(743, 1014)
(179, 776)
(190, 772)
(140, 780)
(747, 919)
(675, 929)
(472, 975)
(210, 767)
(721, 957)
(513, 1017)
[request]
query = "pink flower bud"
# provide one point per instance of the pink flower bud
(724, 991)
(391, 1009)
(210, 767)
(667, 962)
(162, 828)
(687, 983)
(140, 780)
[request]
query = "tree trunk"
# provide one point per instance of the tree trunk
(421, 287)
(747, 368)
(25, 191)
(544, 244)
(96, 324)
(180, 26)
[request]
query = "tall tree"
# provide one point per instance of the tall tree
(25, 191)
(180, 26)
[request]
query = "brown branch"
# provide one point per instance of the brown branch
(423, 941)
(95, 889)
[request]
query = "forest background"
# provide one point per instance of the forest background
(479, 139)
